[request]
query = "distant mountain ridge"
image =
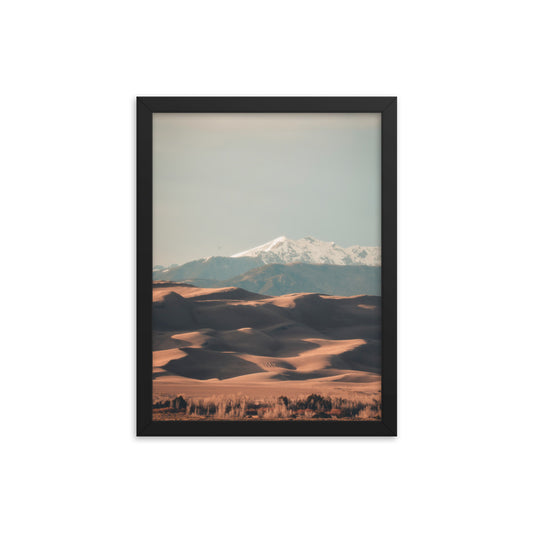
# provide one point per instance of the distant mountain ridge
(216, 268)
(276, 280)
(284, 266)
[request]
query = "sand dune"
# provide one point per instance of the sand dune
(199, 363)
(229, 337)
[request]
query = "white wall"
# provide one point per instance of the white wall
(461, 70)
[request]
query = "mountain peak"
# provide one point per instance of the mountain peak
(310, 250)
(267, 247)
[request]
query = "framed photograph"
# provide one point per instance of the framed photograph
(266, 266)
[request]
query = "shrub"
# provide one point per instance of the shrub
(284, 400)
(179, 403)
(318, 403)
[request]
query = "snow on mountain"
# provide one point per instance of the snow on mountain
(309, 250)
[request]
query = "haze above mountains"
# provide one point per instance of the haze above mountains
(284, 266)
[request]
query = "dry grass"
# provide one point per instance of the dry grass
(233, 407)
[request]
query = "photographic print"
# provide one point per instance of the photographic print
(266, 268)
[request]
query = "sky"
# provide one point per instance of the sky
(226, 182)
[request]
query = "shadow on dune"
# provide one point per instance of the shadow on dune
(225, 315)
(321, 312)
(206, 364)
(366, 357)
(174, 310)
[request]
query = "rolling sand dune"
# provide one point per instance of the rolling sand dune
(231, 341)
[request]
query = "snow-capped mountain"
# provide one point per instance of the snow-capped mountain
(309, 250)
(285, 266)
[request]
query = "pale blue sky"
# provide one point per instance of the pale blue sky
(226, 182)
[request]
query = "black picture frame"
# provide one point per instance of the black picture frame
(387, 106)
